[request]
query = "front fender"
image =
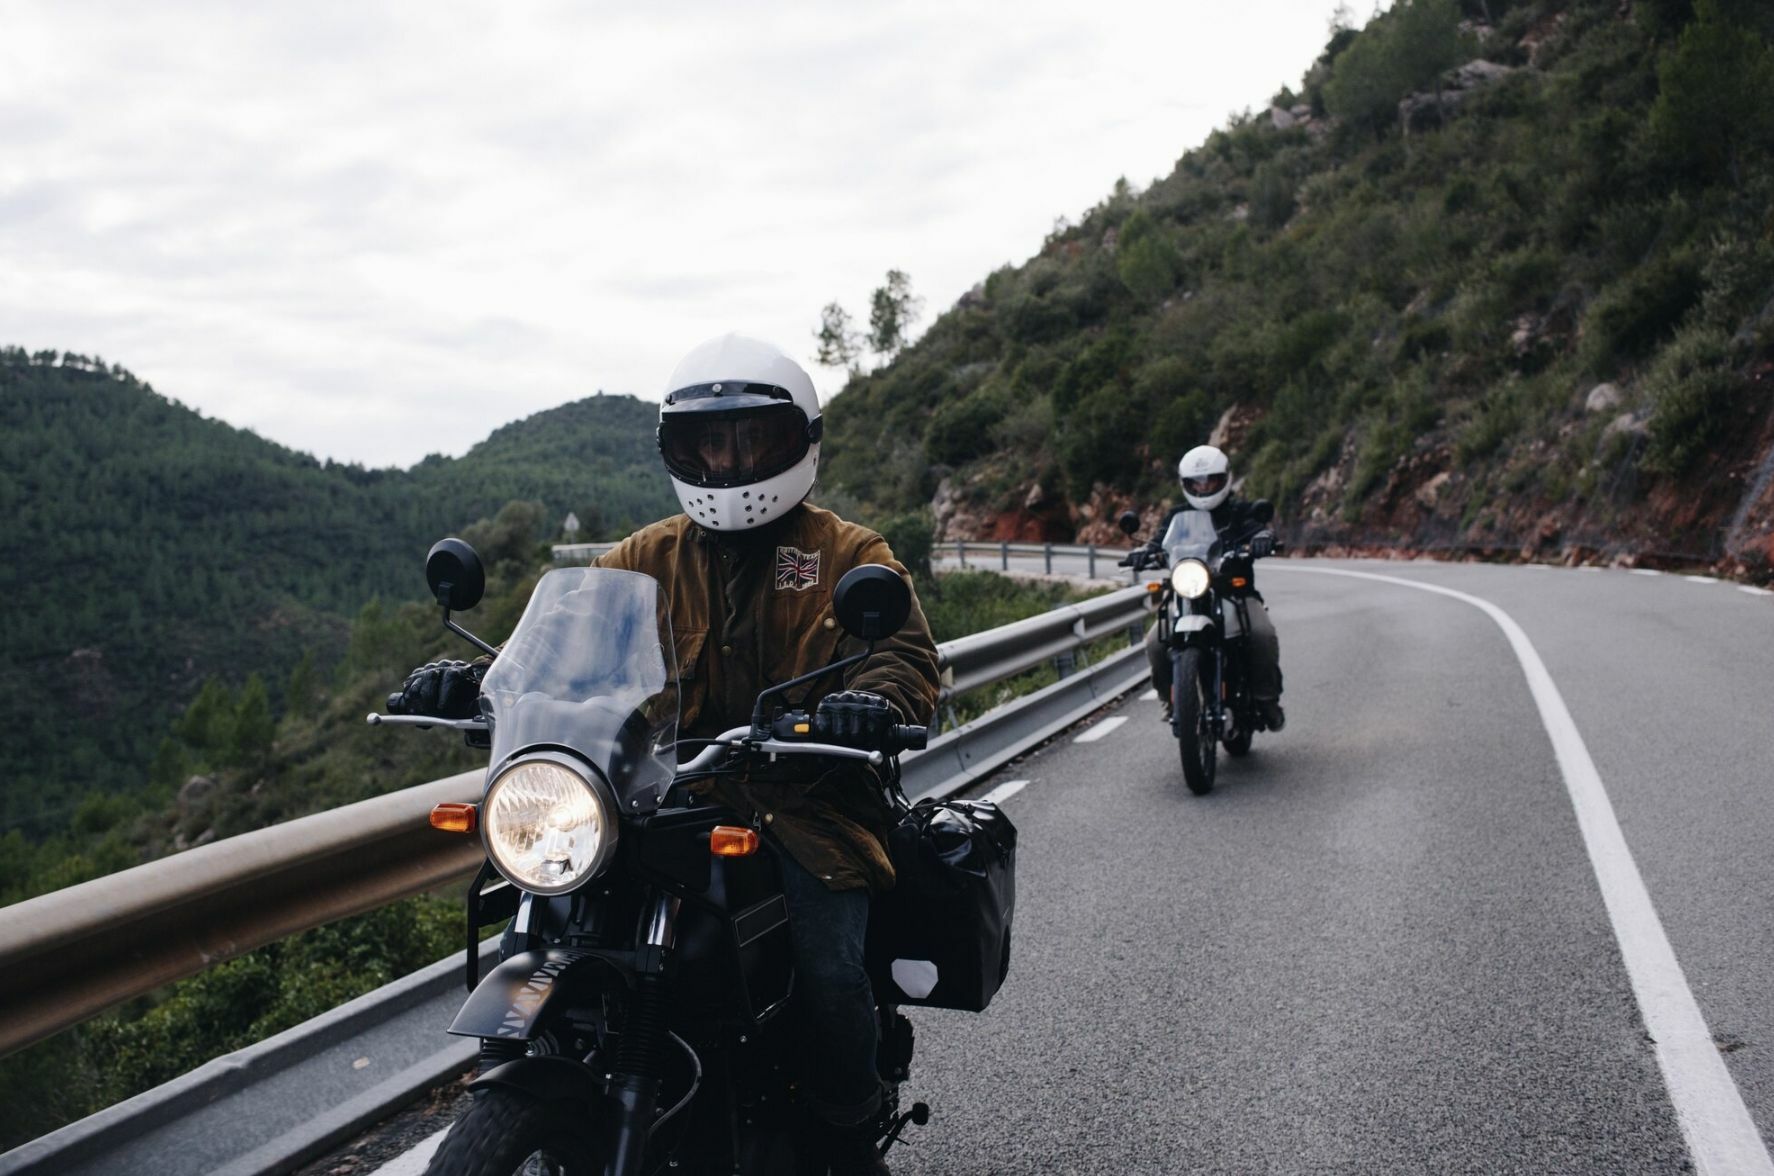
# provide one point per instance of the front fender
(515, 997)
(549, 1078)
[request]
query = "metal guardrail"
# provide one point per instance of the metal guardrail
(982, 552)
(68, 955)
(1002, 551)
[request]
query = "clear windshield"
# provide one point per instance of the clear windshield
(586, 669)
(1191, 535)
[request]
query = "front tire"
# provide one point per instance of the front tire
(1195, 742)
(509, 1133)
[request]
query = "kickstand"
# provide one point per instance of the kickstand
(918, 1116)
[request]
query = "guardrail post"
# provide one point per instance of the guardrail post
(961, 551)
(1004, 554)
(1047, 555)
(1065, 663)
(1136, 633)
(1093, 561)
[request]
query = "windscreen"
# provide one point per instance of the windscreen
(1191, 535)
(587, 668)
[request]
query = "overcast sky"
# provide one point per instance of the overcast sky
(374, 231)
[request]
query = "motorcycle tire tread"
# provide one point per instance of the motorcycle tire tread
(1199, 753)
(503, 1127)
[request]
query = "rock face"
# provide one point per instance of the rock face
(1424, 110)
(1603, 398)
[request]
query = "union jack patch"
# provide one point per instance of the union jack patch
(796, 569)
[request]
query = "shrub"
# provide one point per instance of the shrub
(1692, 388)
(1631, 317)
(911, 536)
(960, 430)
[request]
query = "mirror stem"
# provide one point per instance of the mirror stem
(760, 720)
(459, 631)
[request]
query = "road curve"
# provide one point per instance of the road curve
(1380, 945)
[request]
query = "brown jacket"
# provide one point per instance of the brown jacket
(751, 609)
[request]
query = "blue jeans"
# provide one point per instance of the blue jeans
(833, 995)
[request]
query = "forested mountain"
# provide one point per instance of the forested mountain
(1498, 277)
(146, 548)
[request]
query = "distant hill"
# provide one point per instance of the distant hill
(1498, 277)
(145, 548)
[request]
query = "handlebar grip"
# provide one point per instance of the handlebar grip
(909, 738)
(393, 699)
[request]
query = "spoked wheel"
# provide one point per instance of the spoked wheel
(506, 1133)
(1195, 740)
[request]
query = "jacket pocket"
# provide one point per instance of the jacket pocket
(692, 683)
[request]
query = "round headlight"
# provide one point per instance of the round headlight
(547, 827)
(1190, 578)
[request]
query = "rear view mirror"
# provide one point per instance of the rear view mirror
(1128, 522)
(872, 602)
(455, 575)
(1262, 510)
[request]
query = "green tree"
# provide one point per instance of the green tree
(839, 343)
(1404, 50)
(208, 723)
(302, 693)
(1145, 260)
(1713, 106)
(254, 728)
(893, 308)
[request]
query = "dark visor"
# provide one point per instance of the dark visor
(734, 448)
(1206, 486)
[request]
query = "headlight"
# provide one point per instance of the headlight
(547, 827)
(1190, 578)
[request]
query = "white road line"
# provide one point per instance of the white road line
(1700, 579)
(1753, 590)
(413, 1162)
(1149, 696)
(1005, 791)
(1645, 571)
(1101, 729)
(1721, 1135)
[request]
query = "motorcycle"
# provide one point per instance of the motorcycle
(1203, 619)
(634, 1021)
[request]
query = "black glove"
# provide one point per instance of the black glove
(440, 689)
(854, 717)
(1262, 544)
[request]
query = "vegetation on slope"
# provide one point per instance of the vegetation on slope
(1522, 304)
(148, 549)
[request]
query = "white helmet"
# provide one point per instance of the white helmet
(739, 430)
(1206, 477)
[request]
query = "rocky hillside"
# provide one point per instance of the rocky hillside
(1498, 278)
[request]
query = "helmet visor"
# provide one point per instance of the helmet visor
(734, 447)
(1206, 486)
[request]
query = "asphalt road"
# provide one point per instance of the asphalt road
(1380, 945)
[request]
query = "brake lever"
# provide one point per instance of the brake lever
(380, 720)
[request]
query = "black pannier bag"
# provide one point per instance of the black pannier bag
(941, 936)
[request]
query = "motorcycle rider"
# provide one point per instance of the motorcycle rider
(1206, 475)
(748, 569)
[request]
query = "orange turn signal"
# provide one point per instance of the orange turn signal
(453, 818)
(732, 841)
(1154, 585)
(1239, 581)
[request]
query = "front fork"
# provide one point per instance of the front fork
(640, 1052)
(1213, 672)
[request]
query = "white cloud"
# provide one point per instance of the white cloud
(374, 231)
